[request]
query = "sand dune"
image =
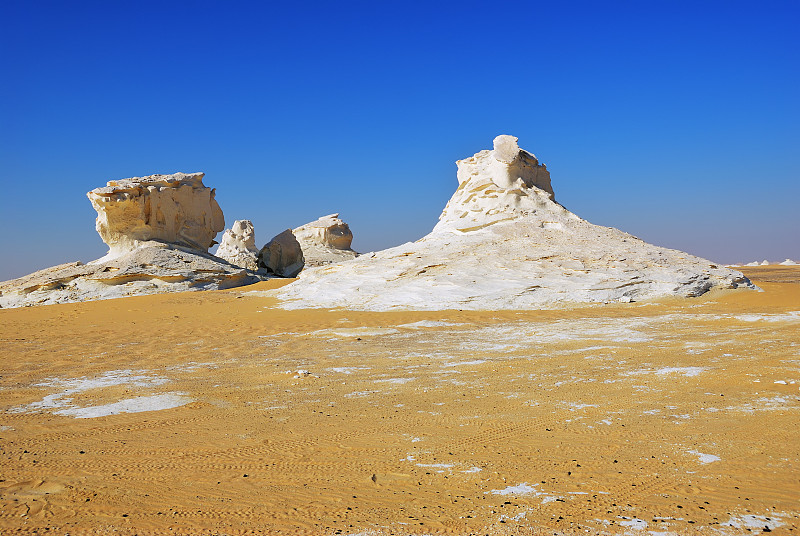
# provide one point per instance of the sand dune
(218, 413)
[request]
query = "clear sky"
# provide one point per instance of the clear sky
(676, 121)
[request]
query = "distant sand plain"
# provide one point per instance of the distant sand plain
(676, 416)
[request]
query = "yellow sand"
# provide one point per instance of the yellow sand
(567, 421)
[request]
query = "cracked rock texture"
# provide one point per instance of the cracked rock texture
(502, 242)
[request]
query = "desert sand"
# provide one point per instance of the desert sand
(219, 413)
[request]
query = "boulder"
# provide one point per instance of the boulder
(282, 255)
(175, 209)
(325, 240)
(238, 245)
(788, 262)
(502, 242)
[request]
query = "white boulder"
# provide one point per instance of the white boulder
(175, 209)
(788, 262)
(282, 255)
(325, 240)
(502, 242)
(238, 245)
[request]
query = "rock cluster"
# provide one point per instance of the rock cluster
(502, 242)
(158, 230)
(325, 240)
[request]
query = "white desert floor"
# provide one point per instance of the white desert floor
(218, 413)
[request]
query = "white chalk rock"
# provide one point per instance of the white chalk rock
(765, 263)
(788, 262)
(238, 245)
(325, 241)
(152, 268)
(175, 209)
(502, 242)
(282, 255)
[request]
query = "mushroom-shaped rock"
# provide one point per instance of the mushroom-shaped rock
(176, 209)
(325, 241)
(238, 245)
(282, 255)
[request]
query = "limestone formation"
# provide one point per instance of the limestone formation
(152, 268)
(502, 242)
(238, 245)
(788, 262)
(158, 229)
(175, 209)
(325, 241)
(282, 255)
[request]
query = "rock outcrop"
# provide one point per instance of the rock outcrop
(238, 245)
(502, 242)
(151, 268)
(788, 262)
(282, 255)
(158, 230)
(175, 209)
(325, 241)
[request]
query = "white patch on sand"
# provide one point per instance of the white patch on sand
(429, 324)
(129, 405)
(73, 386)
(465, 363)
(346, 370)
(705, 458)
(750, 521)
(398, 381)
(525, 489)
(634, 523)
(792, 316)
(685, 371)
(354, 332)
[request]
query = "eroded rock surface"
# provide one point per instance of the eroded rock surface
(176, 209)
(325, 240)
(238, 245)
(502, 242)
(158, 229)
(282, 255)
(151, 268)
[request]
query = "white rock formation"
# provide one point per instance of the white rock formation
(282, 255)
(152, 268)
(502, 242)
(238, 245)
(765, 263)
(158, 230)
(788, 262)
(176, 209)
(325, 241)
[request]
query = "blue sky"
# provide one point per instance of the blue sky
(675, 121)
